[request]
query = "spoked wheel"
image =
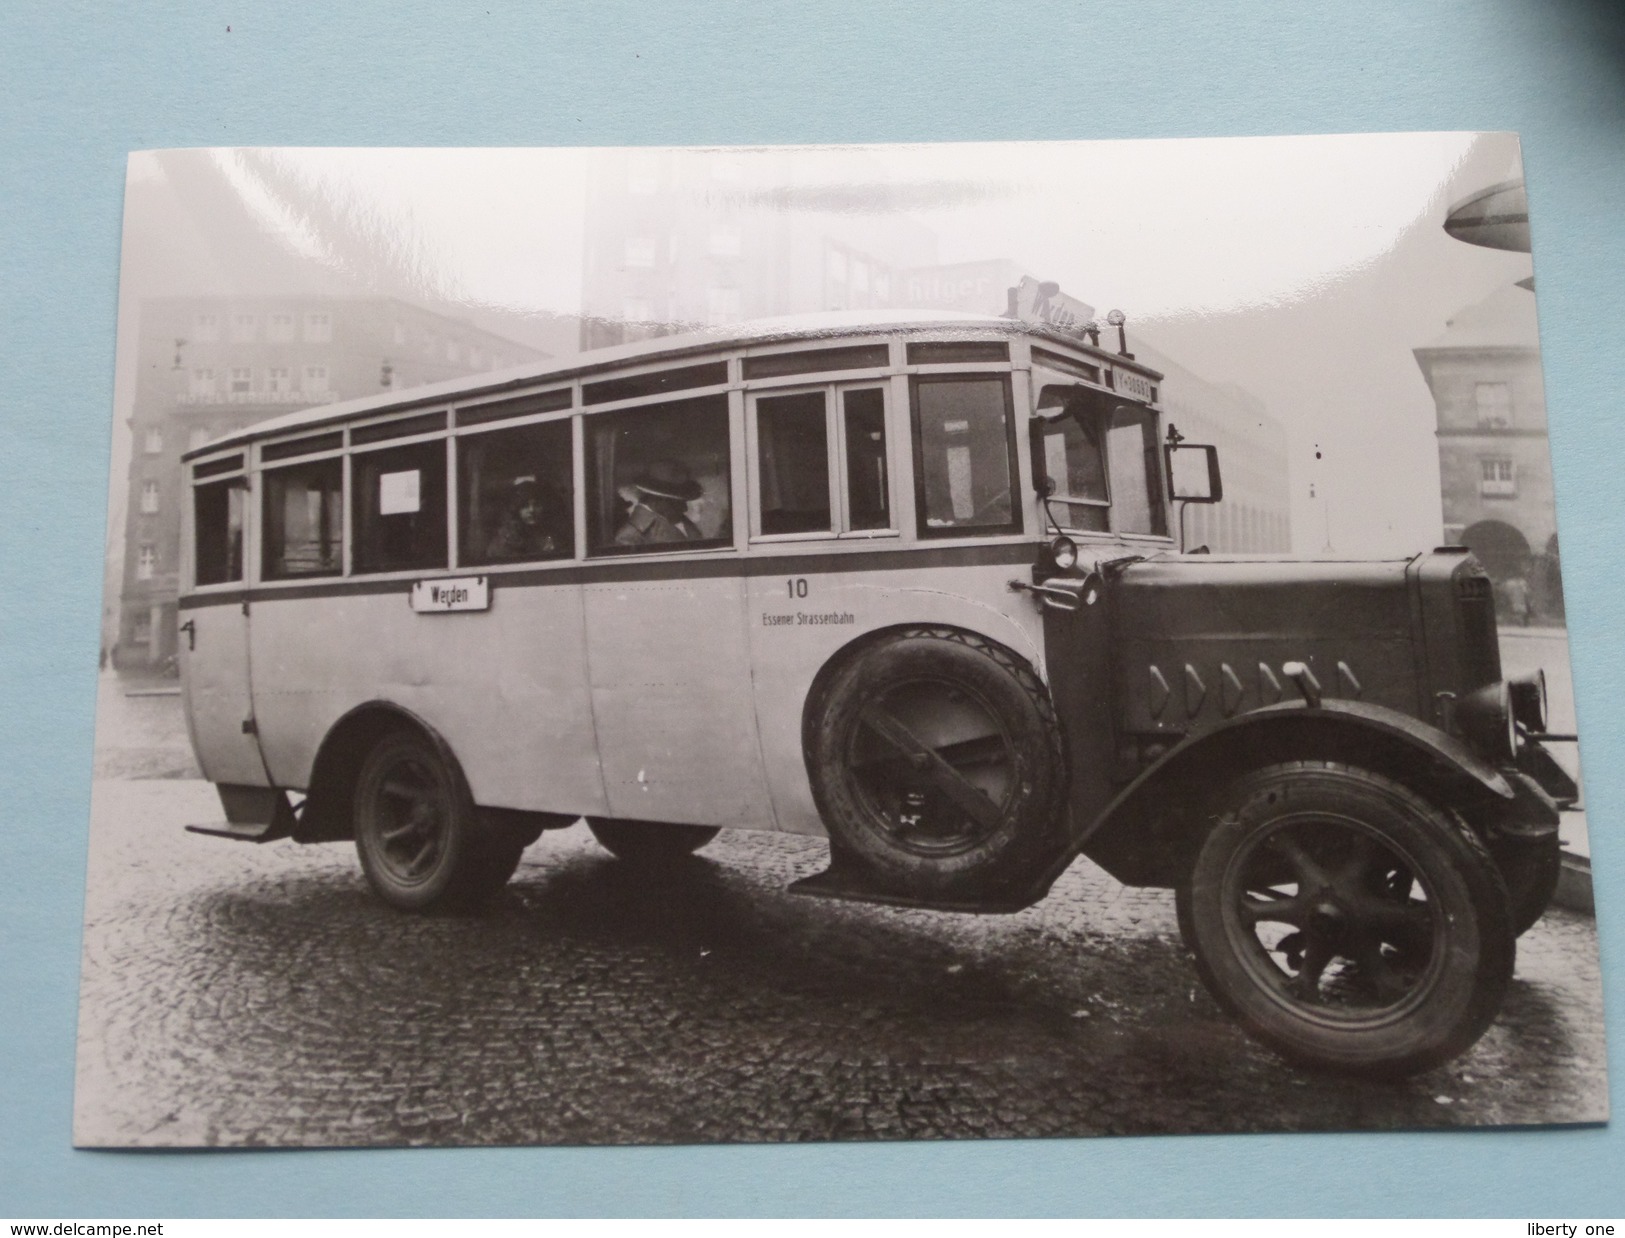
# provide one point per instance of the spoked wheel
(935, 758)
(1348, 922)
(650, 843)
(416, 830)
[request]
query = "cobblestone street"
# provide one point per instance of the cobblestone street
(259, 995)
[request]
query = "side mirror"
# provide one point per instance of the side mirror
(1193, 473)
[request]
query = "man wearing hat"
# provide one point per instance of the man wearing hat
(660, 507)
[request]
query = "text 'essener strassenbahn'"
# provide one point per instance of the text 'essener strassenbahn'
(914, 583)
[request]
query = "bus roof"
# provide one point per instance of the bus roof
(794, 327)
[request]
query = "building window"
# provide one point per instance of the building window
(721, 306)
(1494, 404)
(242, 328)
(1497, 478)
(197, 438)
(640, 251)
(860, 278)
(154, 444)
(279, 328)
(476, 356)
(400, 333)
(636, 309)
(453, 353)
(726, 242)
(146, 561)
(149, 497)
(242, 379)
(315, 379)
(206, 328)
(642, 172)
(318, 327)
(278, 378)
(882, 286)
(202, 382)
(429, 342)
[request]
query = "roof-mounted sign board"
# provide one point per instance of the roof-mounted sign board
(1041, 301)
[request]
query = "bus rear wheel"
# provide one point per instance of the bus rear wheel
(652, 843)
(936, 762)
(417, 830)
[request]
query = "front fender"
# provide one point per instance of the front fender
(1147, 834)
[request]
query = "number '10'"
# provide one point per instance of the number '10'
(796, 587)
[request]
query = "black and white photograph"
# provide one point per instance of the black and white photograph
(667, 645)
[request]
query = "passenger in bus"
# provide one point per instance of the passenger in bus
(660, 499)
(525, 530)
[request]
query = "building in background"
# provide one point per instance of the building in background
(1255, 516)
(1495, 473)
(678, 239)
(209, 365)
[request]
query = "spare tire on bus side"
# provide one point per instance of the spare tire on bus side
(937, 763)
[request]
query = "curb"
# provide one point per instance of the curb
(1574, 885)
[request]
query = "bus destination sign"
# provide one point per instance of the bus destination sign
(431, 597)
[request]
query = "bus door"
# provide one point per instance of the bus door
(667, 650)
(820, 479)
(214, 642)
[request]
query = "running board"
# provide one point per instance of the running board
(849, 884)
(253, 815)
(243, 831)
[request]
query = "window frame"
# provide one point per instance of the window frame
(1002, 373)
(355, 456)
(588, 416)
(264, 473)
(835, 440)
(570, 418)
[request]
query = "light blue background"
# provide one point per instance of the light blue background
(82, 84)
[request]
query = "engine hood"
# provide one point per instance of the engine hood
(1201, 638)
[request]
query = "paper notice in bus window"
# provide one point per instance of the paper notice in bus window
(399, 493)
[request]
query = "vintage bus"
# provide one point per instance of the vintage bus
(912, 583)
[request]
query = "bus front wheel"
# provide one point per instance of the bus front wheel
(416, 830)
(1348, 922)
(937, 763)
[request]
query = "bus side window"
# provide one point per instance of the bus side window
(792, 456)
(218, 517)
(868, 489)
(658, 477)
(1132, 456)
(400, 507)
(517, 495)
(304, 520)
(964, 466)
